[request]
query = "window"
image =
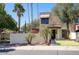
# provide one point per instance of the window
(64, 34)
(78, 27)
(77, 21)
(44, 21)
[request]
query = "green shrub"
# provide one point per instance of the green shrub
(29, 37)
(46, 32)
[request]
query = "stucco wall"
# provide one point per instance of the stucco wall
(59, 34)
(71, 27)
(17, 38)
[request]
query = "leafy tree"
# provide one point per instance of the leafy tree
(2, 14)
(6, 21)
(35, 24)
(25, 28)
(18, 8)
(67, 13)
(11, 23)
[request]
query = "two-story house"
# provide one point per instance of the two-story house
(59, 29)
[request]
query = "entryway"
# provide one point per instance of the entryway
(53, 35)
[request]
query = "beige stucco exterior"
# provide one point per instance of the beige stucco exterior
(55, 24)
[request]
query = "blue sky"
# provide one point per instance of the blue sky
(43, 7)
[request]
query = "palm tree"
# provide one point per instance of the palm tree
(31, 13)
(38, 12)
(28, 14)
(25, 26)
(18, 8)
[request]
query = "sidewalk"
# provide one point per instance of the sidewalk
(41, 50)
(62, 48)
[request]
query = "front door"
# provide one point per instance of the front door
(53, 36)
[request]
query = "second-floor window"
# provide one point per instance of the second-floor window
(44, 21)
(77, 21)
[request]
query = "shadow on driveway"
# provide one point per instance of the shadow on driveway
(6, 48)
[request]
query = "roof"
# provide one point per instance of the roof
(45, 15)
(54, 21)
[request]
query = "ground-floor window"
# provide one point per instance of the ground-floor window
(64, 34)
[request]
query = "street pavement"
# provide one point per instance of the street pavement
(41, 50)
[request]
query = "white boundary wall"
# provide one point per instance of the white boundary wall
(17, 38)
(72, 35)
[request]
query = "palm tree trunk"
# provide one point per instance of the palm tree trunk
(28, 15)
(31, 14)
(68, 31)
(31, 5)
(25, 27)
(38, 12)
(18, 24)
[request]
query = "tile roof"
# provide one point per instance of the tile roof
(54, 21)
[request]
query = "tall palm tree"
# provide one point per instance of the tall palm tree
(25, 26)
(18, 8)
(28, 7)
(31, 11)
(30, 14)
(38, 11)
